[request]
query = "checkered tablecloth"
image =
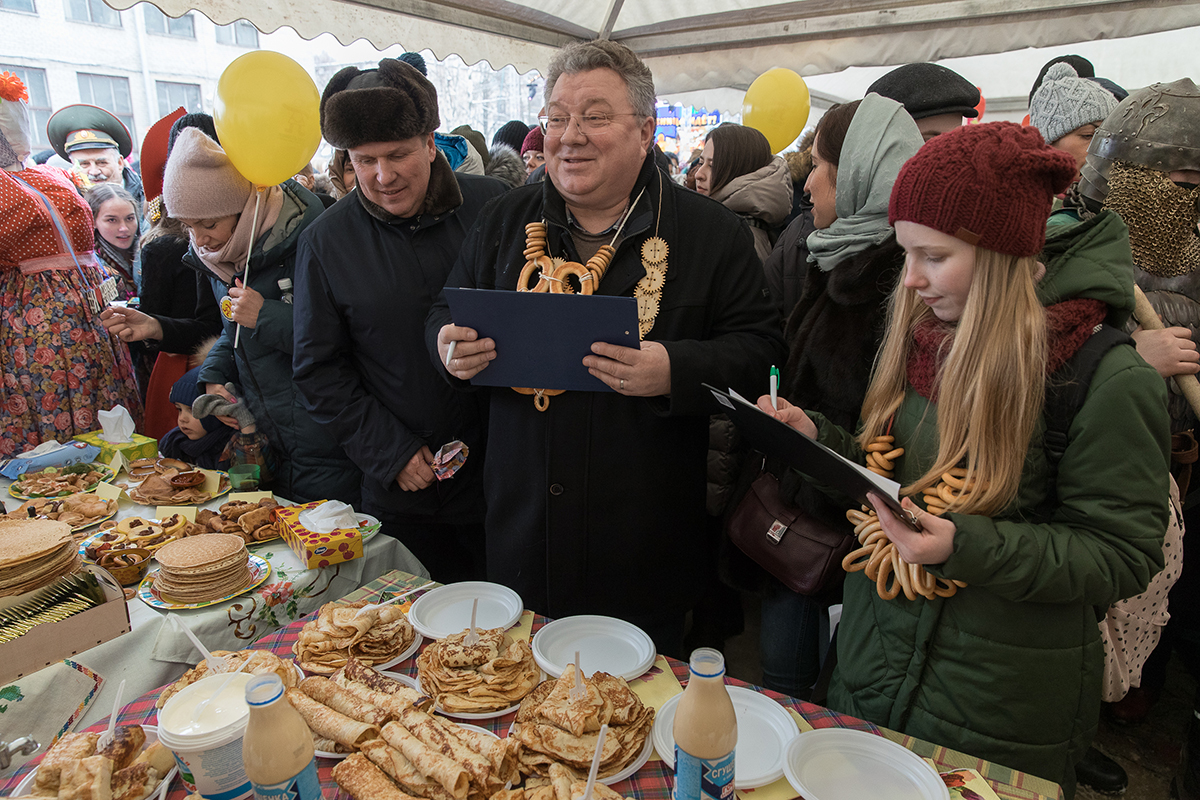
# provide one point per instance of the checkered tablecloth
(651, 782)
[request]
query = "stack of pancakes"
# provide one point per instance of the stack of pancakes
(33, 552)
(202, 568)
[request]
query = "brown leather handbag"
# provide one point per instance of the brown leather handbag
(802, 552)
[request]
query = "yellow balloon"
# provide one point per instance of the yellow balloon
(777, 106)
(268, 116)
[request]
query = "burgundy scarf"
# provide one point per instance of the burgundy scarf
(1068, 325)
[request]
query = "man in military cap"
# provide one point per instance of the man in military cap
(97, 144)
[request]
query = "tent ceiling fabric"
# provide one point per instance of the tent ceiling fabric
(703, 44)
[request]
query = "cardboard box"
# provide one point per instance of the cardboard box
(317, 549)
(140, 447)
(45, 644)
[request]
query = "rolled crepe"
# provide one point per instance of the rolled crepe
(393, 704)
(561, 778)
(329, 724)
(356, 671)
(493, 749)
(328, 693)
(429, 731)
(445, 771)
(402, 771)
(364, 781)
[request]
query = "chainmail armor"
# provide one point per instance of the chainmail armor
(1161, 218)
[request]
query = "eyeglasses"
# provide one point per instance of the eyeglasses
(587, 124)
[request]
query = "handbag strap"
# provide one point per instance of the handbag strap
(64, 241)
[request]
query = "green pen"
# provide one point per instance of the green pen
(774, 387)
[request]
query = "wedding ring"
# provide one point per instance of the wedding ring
(622, 384)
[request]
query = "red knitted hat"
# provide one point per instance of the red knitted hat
(991, 185)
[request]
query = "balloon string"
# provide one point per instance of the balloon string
(237, 334)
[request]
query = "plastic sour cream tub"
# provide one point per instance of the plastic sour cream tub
(208, 745)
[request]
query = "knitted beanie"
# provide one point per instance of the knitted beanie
(186, 390)
(534, 140)
(511, 133)
(416, 61)
(200, 181)
(991, 185)
(1066, 101)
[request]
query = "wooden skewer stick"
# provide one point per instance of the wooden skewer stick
(1147, 317)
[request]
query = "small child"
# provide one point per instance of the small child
(196, 441)
(204, 440)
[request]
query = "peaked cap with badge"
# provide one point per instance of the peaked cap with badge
(86, 127)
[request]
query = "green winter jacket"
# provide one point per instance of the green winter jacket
(1009, 669)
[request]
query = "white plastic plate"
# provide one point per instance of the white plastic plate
(447, 609)
(414, 683)
(605, 644)
(844, 764)
(764, 730)
(26, 785)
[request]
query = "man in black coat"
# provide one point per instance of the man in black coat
(596, 504)
(367, 273)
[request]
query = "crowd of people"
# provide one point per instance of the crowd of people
(952, 304)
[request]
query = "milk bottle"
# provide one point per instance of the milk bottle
(705, 732)
(277, 750)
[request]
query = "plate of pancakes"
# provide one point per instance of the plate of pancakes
(201, 571)
(35, 552)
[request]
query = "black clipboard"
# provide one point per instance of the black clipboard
(777, 439)
(541, 338)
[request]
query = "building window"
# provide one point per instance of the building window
(241, 33)
(159, 23)
(173, 95)
(39, 100)
(17, 5)
(92, 11)
(110, 93)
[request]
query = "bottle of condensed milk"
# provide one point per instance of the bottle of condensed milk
(705, 731)
(277, 750)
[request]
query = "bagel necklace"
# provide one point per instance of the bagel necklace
(877, 555)
(553, 275)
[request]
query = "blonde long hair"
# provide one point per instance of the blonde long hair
(991, 385)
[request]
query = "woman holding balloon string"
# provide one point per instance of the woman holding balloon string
(245, 241)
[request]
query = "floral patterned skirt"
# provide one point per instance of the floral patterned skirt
(59, 365)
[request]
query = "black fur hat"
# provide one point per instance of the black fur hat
(387, 104)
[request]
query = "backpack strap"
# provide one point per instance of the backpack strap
(1066, 391)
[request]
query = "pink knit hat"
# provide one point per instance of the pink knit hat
(200, 182)
(991, 185)
(534, 140)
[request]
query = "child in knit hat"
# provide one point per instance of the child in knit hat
(970, 620)
(1067, 109)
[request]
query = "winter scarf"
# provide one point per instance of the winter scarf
(881, 137)
(230, 260)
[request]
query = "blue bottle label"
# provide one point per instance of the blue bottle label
(304, 786)
(703, 778)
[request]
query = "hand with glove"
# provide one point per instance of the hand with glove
(220, 405)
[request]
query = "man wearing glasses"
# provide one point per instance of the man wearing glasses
(596, 503)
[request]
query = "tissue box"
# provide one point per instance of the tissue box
(70, 453)
(140, 447)
(317, 549)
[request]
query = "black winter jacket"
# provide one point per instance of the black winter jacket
(597, 504)
(363, 289)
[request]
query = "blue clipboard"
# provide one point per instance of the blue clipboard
(542, 339)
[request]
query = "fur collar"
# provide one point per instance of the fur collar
(441, 196)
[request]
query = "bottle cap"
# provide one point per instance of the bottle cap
(707, 663)
(264, 689)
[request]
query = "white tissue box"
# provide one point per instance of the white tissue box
(140, 447)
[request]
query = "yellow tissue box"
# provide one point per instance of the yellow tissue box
(140, 447)
(317, 549)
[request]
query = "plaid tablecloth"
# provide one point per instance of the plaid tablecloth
(651, 782)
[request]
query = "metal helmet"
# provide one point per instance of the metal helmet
(1157, 127)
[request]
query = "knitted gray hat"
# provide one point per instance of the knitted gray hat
(1066, 101)
(200, 182)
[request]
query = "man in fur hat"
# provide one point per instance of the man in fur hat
(367, 273)
(595, 500)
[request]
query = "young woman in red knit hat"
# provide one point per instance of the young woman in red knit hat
(979, 632)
